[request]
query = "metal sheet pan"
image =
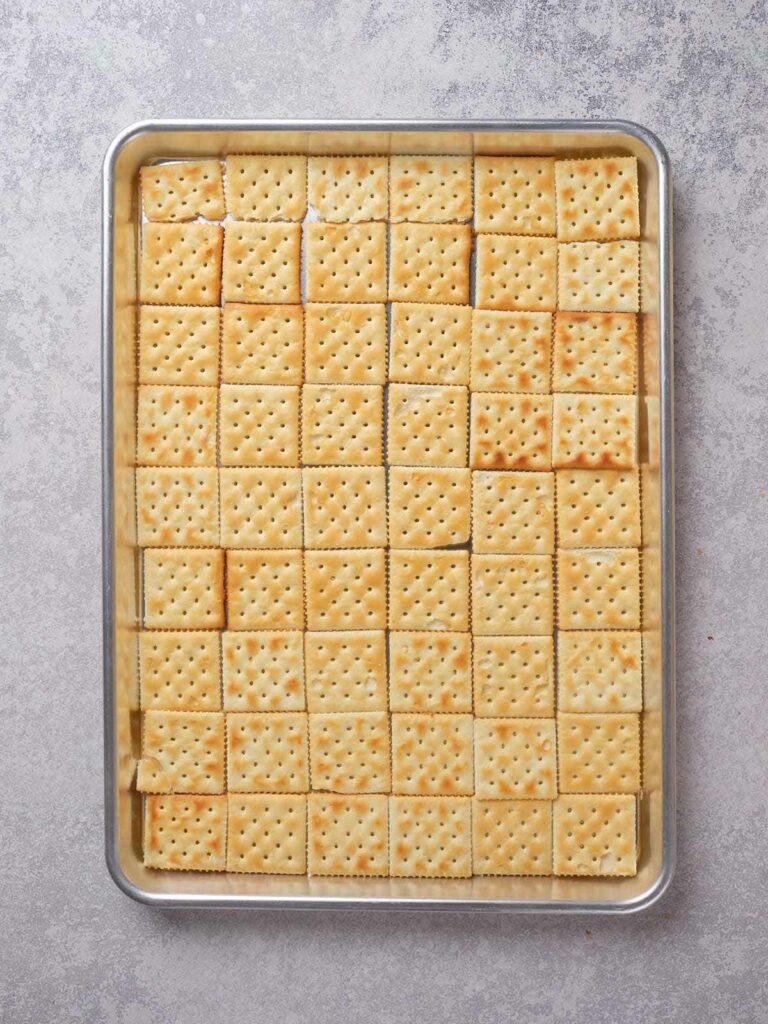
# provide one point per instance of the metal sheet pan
(121, 225)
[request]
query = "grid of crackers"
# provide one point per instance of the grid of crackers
(388, 505)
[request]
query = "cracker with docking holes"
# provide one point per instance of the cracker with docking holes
(599, 276)
(260, 508)
(348, 835)
(346, 671)
(599, 753)
(515, 758)
(176, 426)
(513, 513)
(510, 431)
(599, 588)
(185, 833)
(262, 262)
(349, 753)
(346, 262)
(430, 836)
(598, 508)
(427, 425)
(595, 352)
(597, 198)
(428, 508)
(183, 588)
(429, 263)
(259, 425)
(594, 835)
(430, 672)
(183, 190)
(510, 351)
(266, 187)
(179, 671)
(432, 755)
(512, 595)
(346, 589)
(263, 671)
(349, 188)
(594, 431)
(343, 507)
(265, 590)
(181, 264)
(514, 676)
(179, 345)
(512, 837)
(346, 343)
(267, 833)
(267, 753)
(600, 672)
(181, 752)
(515, 194)
(262, 344)
(429, 590)
(430, 189)
(516, 272)
(343, 424)
(429, 343)
(177, 507)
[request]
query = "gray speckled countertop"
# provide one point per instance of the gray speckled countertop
(77, 71)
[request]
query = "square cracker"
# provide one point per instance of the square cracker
(262, 262)
(346, 671)
(185, 833)
(432, 755)
(429, 263)
(600, 671)
(512, 595)
(262, 344)
(599, 753)
(183, 588)
(179, 345)
(181, 264)
(267, 753)
(510, 431)
(259, 425)
(176, 426)
(260, 508)
(346, 589)
(510, 351)
(512, 837)
(346, 343)
(428, 508)
(594, 431)
(598, 508)
(429, 590)
(348, 835)
(177, 507)
(349, 753)
(342, 424)
(600, 276)
(430, 836)
(595, 352)
(599, 589)
(345, 507)
(434, 189)
(427, 425)
(179, 671)
(268, 186)
(349, 188)
(181, 752)
(515, 272)
(346, 262)
(183, 190)
(429, 343)
(515, 194)
(263, 671)
(267, 834)
(265, 590)
(594, 835)
(597, 198)
(515, 758)
(430, 671)
(514, 676)
(513, 513)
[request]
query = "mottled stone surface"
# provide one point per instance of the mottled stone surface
(74, 73)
